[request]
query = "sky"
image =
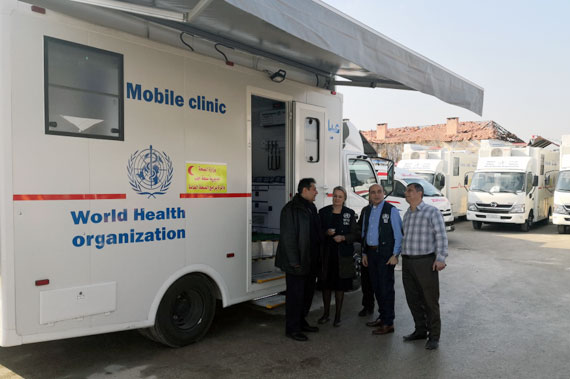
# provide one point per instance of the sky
(518, 51)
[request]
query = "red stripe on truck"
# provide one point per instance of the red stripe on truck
(86, 196)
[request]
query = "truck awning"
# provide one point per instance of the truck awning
(308, 35)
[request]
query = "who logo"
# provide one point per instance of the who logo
(150, 172)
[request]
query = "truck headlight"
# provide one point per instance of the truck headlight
(472, 207)
(559, 208)
(517, 208)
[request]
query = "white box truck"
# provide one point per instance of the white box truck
(446, 169)
(138, 169)
(561, 215)
(512, 185)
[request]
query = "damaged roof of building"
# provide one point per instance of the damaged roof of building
(466, 131)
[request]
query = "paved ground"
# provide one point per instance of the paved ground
(505, 314)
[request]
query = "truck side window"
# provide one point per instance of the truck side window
(311, 139)
(83, 89)
(455, 166)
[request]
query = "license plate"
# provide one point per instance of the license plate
(494, 217)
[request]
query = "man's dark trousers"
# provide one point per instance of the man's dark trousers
(298, 300)
(382, 278)
(367, 290)
(421, 285)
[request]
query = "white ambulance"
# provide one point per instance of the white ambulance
(148, 150)
(512, 185)
(432, 195)
(561, 215)
(446, 169)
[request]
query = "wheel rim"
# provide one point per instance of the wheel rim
(187, 310)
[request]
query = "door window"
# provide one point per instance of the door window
(528, 182)
(362, 176)
(311, 139)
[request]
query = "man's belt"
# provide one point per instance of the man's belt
(371, 248)
(423, 256)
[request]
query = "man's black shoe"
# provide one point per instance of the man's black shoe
(309, 328)
(432, 344)
(365, 312)
(375, 324)
(415, 336)
(297, 336)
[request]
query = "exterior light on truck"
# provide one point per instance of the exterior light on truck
(517, 208)
(559, 208)
(472, 207)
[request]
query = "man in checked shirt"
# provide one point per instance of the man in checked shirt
(424, 249)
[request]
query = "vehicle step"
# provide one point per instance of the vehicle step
(267, 277)
(270, 302)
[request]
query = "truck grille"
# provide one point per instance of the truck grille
(494, 207)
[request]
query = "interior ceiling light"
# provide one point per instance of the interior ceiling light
(137, 9)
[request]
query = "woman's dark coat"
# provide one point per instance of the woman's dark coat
(345, 249)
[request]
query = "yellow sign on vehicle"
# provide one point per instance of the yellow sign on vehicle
(206, 177)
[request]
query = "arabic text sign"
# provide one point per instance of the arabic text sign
(206, 177)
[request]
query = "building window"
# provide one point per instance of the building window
(83, 91)
(311, 139)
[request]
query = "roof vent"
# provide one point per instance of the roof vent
(415, 155)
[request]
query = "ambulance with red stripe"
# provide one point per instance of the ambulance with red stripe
(402, 178)
(432, 196)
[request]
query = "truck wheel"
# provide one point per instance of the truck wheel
(561, 229)
(528, 223)
(185, 312)
(477, 225)
(546, 221)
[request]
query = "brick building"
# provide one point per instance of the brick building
(453, 134)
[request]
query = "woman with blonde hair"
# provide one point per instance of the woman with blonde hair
(337, 267)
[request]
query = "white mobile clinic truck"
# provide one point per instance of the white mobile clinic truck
(445, 169)
(512, 185)
(561, 215)
(147, 149)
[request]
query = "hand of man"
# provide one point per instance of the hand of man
(365, 260)
(437, 265)
(392, 261)
(338, 239)
(330, 232)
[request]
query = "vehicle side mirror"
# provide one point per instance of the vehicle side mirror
(465, 180)
(547, 181)
(535, 181)
(442, 182)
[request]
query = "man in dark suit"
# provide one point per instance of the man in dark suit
(300, 242)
